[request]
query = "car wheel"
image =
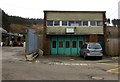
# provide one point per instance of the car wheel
(85, 57)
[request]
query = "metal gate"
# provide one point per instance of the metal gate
(32, 44)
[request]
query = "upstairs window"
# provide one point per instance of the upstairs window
(78, 23)
(56, 23)
(85, 23)
(49, 23)
(92, 23)
(64, 23)
(75, 23)
(99, 23)
(71, 23)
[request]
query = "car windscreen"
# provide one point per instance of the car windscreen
(94, 46)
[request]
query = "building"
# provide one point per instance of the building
(66, 31)
(119, 10)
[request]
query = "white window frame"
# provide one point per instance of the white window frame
(95, 23)
(86, 25)
(55, 21)
(64, 25)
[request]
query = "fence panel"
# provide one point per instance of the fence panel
(32, 44)
(112, 47)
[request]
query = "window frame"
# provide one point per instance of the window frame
(94, 23)
(54, 21)
(50, 21)
(74, 44)
(54, 44)
(100, 21)
(85, 21)
(64, 21)
(60, 44)
(67, 44)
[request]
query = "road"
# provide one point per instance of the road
(15, 67)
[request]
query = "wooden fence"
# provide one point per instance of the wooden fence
(112, 47)
(112, 44)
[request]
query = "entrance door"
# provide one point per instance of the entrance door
(54, 45)
(61, 45)
(74, 45)
(67, 45)
(80, 43)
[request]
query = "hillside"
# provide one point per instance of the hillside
(18, 28)
(18, 24)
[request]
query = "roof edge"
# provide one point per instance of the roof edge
(74, 11)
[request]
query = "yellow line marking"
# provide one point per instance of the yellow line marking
(111, 70)
(109, 64)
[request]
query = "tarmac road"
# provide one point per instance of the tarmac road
(15, 67)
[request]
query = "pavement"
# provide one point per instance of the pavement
(76, 59)
(15, 67)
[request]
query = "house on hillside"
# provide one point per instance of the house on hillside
(66, 31)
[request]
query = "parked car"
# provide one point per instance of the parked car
(91, 50)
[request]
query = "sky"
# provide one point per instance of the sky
(35, 8)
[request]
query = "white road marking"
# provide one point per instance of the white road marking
(67, 64)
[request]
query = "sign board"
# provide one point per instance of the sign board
(69, 30)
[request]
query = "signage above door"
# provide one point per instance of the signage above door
(70, 30)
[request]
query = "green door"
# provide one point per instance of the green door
(80, 43)
(61, 45)
(67, 45)
(74, 45)
(54, 45)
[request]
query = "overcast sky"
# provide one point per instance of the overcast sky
(34, 8)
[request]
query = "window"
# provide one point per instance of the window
(54, 44)
(85, 23)
(67, 44)
(75, 23)
(60, 44)
(71, 23)
(64, 23)
(78, 23)
(49, 23)
(94, 46)
(92, 23)
(56, 23)
(99, 23)
(74, 44)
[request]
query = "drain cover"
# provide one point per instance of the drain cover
(97, 78)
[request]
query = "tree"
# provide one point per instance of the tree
(116, 22)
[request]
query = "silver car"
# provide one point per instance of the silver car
(91, 49)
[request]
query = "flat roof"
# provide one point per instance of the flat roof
(75, 11)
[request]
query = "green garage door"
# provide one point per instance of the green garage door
(54, 45)
(66, 45)
(61, 42)
(74, 46)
